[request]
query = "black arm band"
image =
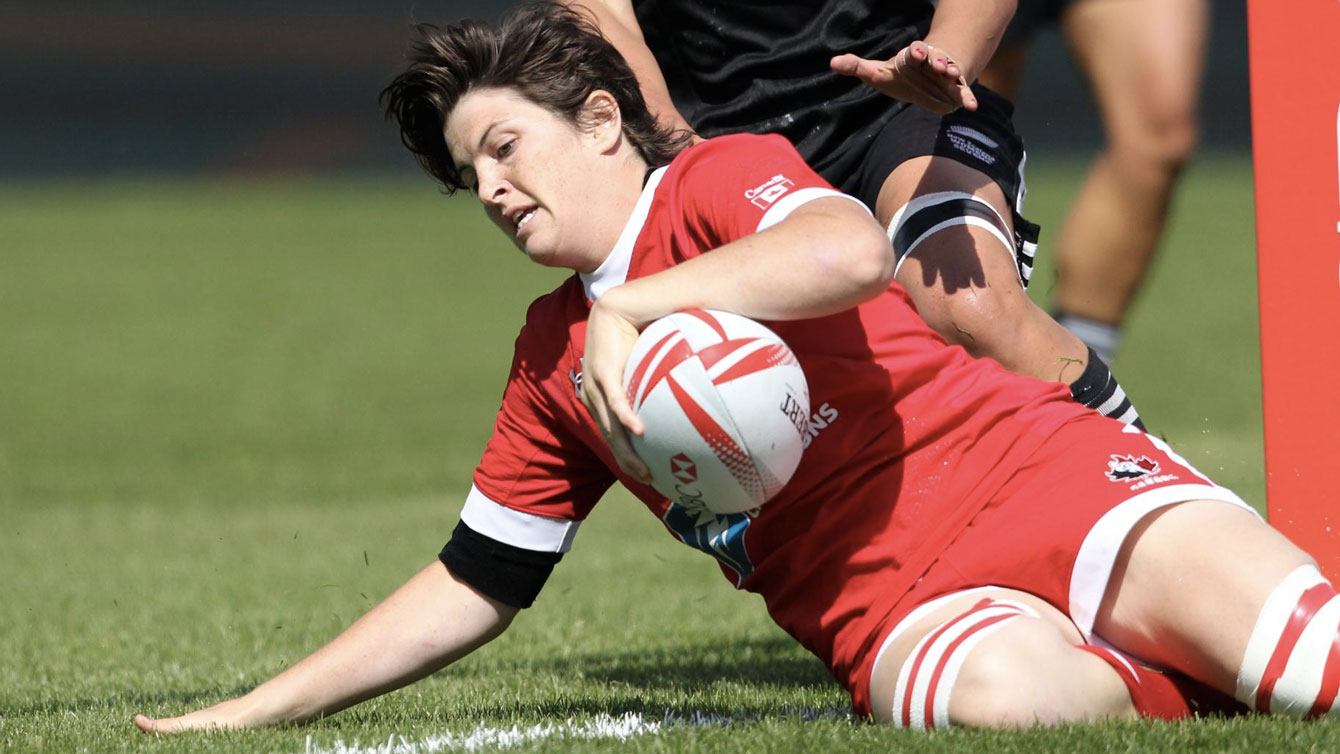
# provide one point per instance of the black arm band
(511, 575)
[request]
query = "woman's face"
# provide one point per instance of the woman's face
(537, 175)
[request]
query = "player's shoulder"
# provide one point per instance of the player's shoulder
(549, 319)
(725, 163)
(731, 146)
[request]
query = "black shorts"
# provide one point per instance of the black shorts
(983, 139)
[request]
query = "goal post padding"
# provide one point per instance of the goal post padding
(1295, 98)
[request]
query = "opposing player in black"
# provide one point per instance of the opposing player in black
(893, 121)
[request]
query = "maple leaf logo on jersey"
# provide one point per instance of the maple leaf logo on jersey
(683, 468)
(1126, 468)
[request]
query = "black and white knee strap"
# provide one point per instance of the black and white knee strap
(928, 214)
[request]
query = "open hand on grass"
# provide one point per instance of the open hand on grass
(217, 717)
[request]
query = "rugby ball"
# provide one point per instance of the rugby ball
(724, 406)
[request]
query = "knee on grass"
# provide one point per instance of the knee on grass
(1030, 676)
(1000, 665)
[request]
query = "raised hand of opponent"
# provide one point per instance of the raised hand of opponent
(920, 73)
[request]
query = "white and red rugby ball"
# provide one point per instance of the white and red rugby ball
(724, 405)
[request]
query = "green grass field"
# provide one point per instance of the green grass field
(234, 415)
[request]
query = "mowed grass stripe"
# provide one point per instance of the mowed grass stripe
(197, 332)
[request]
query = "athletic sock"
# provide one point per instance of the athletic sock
(1166, 696)
(1097, 389)
(1292, 662)
(1102, 337)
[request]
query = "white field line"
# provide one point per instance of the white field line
(486, 737)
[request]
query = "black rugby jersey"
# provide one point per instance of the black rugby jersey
(761, 66)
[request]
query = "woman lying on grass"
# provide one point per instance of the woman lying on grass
(960, 545)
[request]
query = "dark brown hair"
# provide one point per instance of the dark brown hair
(548, 53)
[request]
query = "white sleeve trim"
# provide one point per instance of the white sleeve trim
(517, 528)
(789, 203)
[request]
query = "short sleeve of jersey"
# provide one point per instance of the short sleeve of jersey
(535, 462)
(732, 186)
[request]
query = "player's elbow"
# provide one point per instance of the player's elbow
(867, 259)
(848, 251)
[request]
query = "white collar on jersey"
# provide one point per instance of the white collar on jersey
(614, 270)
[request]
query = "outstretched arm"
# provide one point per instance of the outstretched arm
(935, 73)
(429, 622)
(618, 23)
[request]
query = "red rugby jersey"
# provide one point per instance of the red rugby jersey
(908, 437)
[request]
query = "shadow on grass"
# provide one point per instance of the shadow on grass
(747, 679)
(684, 680)
(771, 661)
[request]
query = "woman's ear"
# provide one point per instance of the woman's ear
(602, 119)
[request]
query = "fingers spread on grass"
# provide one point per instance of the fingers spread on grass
(169, 725)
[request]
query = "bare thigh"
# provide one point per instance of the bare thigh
(1189, 584)
(1143, 60)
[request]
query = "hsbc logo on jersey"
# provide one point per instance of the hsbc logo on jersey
(1129, 468)
(770, 191)
(683, 468)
